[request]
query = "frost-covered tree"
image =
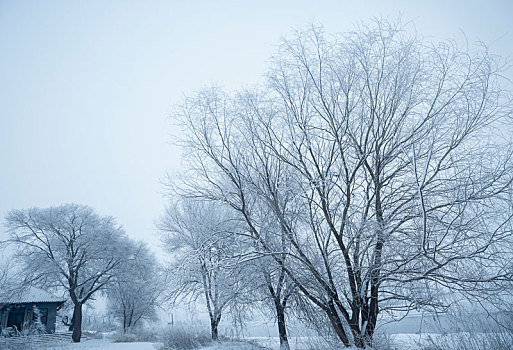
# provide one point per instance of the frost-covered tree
(37, 326)
(69, 247)
(133, 295)
(384, 159)
(5, 280)
(205, 258)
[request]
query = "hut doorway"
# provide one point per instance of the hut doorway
(16, 316)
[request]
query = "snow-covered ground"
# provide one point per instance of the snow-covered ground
(296, 343)
(256, 343)
(398, 341)
(86, 344)
(108, 344)
(105, 344)
(233, 346)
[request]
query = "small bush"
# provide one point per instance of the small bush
(92, 335)
(315, 343)
(383, 341)
(184, 338)
(149, 334)
(480, 333)
(126, 338)
(138, 335)
(471, 341)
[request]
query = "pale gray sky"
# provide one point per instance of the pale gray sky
(86, 86)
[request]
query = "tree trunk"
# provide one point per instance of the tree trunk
(359, 340)
(284, 342)
(77, 324)
(130, 318)
(373, 312)
(337, 325)
(214, 322)
(213, 327)
(124, 320)
(376, 266)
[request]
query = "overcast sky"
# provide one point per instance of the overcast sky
(86, 87)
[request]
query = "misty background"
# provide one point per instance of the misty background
(87, 89)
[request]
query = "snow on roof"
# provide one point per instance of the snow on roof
(30, 295)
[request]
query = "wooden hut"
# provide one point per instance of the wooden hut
(19, 311)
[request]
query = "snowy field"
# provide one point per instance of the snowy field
(394, 341)
(104, 344)
(108, 344)
(254, 343)
(90, 344)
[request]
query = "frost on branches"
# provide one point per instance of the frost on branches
(384, 160)
(68, 247)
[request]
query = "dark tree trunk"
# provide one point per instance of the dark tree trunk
(77, 324)
(359, 340)
(337, 325)
(124, 326)
(282, 329)
(124, 321)
(376, 268)
(373, 311)
(214, 323)
(130, 319)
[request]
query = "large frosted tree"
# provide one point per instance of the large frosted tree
(385, 160)
(69, 247)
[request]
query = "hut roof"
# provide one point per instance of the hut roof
(30, 295)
